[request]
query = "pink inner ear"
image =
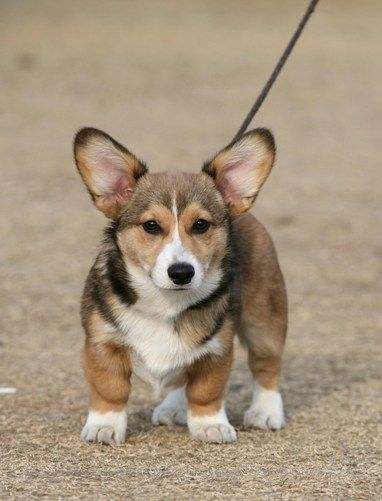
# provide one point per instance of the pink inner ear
(122, 190)
(113, 182)
(227, 190)
(237, 179)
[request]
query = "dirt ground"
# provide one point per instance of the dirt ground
(173, 80)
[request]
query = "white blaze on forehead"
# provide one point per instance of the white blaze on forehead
(175, 246)
(175, 252)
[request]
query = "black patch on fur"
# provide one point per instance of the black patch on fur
(110, 232)
(116, 273)
(118, 278)
(113, 277)
(96, 288)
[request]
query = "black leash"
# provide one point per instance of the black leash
(267, 87)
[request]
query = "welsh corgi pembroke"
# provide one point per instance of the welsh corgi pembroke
(182, 269)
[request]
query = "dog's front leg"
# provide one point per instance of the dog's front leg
(107, 368)
(206, 416)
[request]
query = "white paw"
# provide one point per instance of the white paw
(266, 411)
(217, 433)
(214, 428)
(169, 416)
(172, 410)
(108, 428)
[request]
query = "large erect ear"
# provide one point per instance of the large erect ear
(107, 168)
(240, 170)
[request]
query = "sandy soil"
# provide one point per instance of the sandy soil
(173, 80)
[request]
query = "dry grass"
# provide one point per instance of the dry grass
(173, 80)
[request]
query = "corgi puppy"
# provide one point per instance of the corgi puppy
(182, 269)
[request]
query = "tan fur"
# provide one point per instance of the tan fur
(264, 319)
(141, 247)
(254, 306)
(207, 380)
(107, 368)
(209, 247)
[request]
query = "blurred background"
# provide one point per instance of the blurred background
(173, 80)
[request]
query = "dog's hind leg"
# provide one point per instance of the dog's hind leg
(172, 410)
(263, 331)
(266, 410)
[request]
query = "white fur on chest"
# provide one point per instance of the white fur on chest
(158, 349)
(158, 381)
(159, 352)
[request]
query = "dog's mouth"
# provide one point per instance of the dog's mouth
(174, 288)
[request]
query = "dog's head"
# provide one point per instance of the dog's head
(172, 227)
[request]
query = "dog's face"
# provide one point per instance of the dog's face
(174, 228)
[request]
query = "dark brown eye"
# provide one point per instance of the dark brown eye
(152, 227)
(200, 226)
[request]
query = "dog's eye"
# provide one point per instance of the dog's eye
(200, 226)
(152, 227)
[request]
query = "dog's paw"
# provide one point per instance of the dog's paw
(172, 410)
(108, 428)
(215, 428)
(169, 416)
(266, 411)
(215, 433)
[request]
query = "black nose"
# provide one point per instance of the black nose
(181, 273)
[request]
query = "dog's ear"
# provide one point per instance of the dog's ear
(240, 170)
(107, 168)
